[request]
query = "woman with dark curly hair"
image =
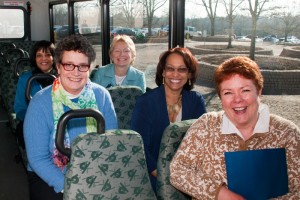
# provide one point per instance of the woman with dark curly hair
(71, 90)
(170, 102)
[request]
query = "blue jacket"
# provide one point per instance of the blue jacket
(105, 76)
(21, 103)
(150, 118)
(39, 125)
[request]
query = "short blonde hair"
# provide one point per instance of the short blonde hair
(127, 40)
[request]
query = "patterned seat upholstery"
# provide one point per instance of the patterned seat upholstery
(124, 98)
(6, 45)
(104, 165)
(9, 83)
(170, 142)
(25, 45)
(108, 166)
(3, 61)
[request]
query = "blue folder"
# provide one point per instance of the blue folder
(257, 174)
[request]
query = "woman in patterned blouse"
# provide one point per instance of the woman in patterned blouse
(199, 169)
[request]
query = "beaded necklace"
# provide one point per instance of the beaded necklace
(174, 108)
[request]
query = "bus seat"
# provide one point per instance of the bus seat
(171, 139)
(36, 77)
(19, 135)
(104, 165)
(8, 80)
(25, 45)
(9, 83)
(5, 46)
(124, 98)
(22, 65)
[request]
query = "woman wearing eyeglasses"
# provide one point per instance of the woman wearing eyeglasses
(170, 102)
(120, 72)
(71, 90)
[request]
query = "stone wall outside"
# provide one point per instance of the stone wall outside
(290, 52)
(275, 81)
(200, 51)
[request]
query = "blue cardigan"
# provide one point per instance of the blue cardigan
(105, 76)
(39, 126)
(150, 118)
(21, 103)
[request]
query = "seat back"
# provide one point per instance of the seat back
(110, 165)
(170, 142)
(20, 138)
(124, 98)
(22, 65)
(25, 45)
(34, 77)
(6, 45)
(9, 81)
(3, 61)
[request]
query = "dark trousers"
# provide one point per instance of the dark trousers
(20, 135)
(40, 190)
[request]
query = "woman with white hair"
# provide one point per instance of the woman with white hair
(120, 72)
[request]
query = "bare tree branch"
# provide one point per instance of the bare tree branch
(211, 10)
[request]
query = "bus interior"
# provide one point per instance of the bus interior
(154, 29)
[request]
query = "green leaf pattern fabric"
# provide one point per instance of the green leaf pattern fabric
(108, 166)
(170, 142)
(124, 98)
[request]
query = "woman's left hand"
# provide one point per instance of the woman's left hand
(226, 194)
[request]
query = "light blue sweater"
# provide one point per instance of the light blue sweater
(105, 76)
(38, 127)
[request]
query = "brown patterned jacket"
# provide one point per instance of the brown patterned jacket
(198, 167)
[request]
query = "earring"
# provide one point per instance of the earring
(163, 80)
(190, 82)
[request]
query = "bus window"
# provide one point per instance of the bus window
(87, 19)
(147, 23)
(60, 21)
(12, 22)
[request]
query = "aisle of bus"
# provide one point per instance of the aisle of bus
(13, 181)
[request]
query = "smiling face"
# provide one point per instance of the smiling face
(175, 73)
(73, 81)
(121, 55)
(240, 101)
(44, 60)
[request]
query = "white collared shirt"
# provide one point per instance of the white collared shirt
(262, 125)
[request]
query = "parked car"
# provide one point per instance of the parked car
(190, 31)
(290, 39)
(243, 38)
(62, 31)
(271, 38)
(123, 31)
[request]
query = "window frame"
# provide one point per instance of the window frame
(25, 22)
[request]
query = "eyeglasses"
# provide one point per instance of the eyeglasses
(71, 67)
(180, 70)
